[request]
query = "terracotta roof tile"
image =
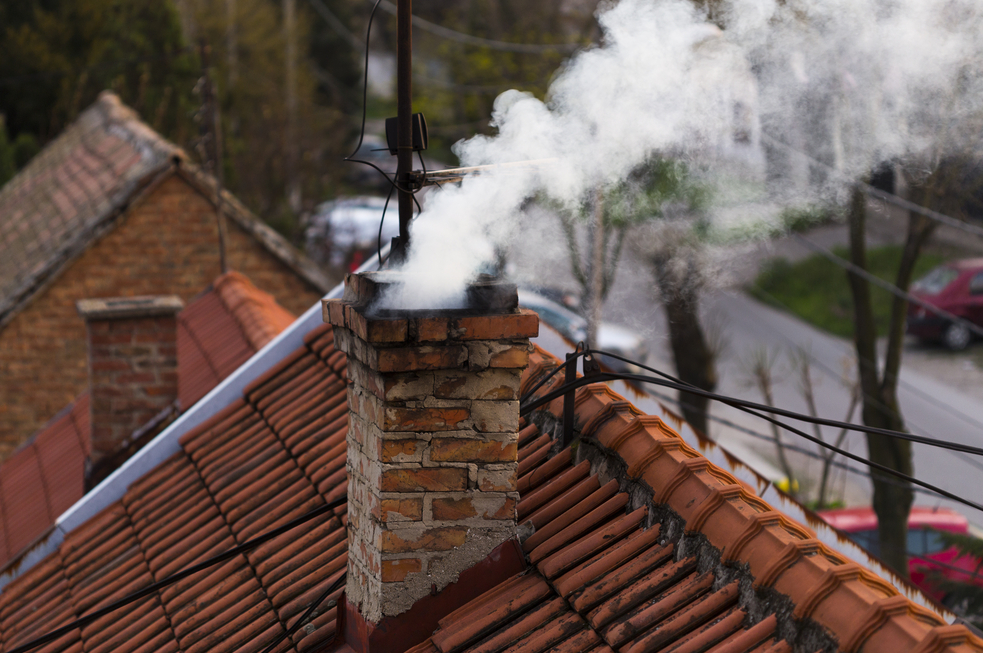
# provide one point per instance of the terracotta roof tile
(27, 513)
(638, 543)
(97, 164)
(260, 317)
(79, 184)
(217, 332)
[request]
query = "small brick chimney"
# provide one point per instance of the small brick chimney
(432, 438)
(132, 352)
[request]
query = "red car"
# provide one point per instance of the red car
(928, 556)
(955, 287)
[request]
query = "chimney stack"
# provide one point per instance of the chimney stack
(432, 438)
(132, 357)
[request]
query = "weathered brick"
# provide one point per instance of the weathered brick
(424, 479)
(355, 322)
(425, 420)
(497, 479)
(143, 254)
(402, 451)
(524, 324)
(430, 539)
(495, 416)
(401, 509)
(386, 330)
(408, 386)
(471, 450)
(430, 329)
(333, 312)
(395, 571)
(368, 379)
(483, 354)
(490, 384)
(427, 357)
(497, 506)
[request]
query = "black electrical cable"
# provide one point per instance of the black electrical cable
(791, 447)
(735, 402)
(307, 614)
(382, 222)
(361, 136)
(180, 575)
(579, 351)
(610, 376)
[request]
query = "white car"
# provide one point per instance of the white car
(611, 337)
(340, 228)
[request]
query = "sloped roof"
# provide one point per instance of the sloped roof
(640, 544)
(73, 191)
(217, 332)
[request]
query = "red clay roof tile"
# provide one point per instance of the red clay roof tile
(217, 332)
(604, 576)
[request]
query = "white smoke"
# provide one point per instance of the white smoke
(855, 82)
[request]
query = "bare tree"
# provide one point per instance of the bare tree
(683, 267)
(802, 363)
(760, 367)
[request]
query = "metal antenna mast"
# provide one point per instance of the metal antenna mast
(404, 118)
(404, 121)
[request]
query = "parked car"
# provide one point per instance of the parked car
(342, 233)
(611, 337)
(929, 558)
(955, 287)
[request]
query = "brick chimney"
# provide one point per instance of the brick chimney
(132, 351)
(432, 438)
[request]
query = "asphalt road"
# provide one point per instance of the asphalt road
(747, 327)
(941, 393)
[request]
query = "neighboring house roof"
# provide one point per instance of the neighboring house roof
(217, 332)
(76, 189)
(629, 534)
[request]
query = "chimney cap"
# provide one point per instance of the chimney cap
(485, 295)
(116, 308)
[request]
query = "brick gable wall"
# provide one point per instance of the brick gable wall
(166, 244)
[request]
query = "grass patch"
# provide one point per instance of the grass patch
(816, 289)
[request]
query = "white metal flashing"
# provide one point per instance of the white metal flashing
(166, 444)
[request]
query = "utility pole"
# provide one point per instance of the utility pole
(290, 34)
(211, 143)
(404, 120)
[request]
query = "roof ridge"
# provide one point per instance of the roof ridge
(257, 312)
(268, 237)
(714, 503)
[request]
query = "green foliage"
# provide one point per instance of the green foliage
(58, 57)
(816, 290)
(7, 164)
(801, 219)
(645, 195)
(455, 84)
(25, 148)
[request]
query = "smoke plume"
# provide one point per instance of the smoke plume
(852, 82)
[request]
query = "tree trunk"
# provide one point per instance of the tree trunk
(892, 497)
(691, 353)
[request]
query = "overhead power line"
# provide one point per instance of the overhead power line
(753, 408)
(791, 447)
(335, 23)
(886, 285)
(467, 39)
(910, 387)
(880, 194)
